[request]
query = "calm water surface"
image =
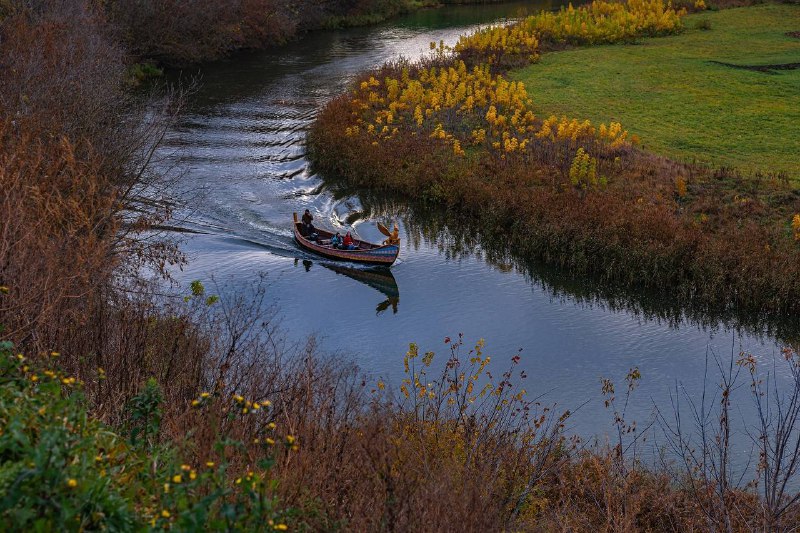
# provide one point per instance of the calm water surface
(242, 144)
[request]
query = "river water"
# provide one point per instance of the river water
(241, 144)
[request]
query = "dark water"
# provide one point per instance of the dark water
(242, 143)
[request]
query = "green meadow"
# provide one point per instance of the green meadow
(680, 97)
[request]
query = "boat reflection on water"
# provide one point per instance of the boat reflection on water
(379, 278)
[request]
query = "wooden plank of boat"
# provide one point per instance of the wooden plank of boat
(366, 253)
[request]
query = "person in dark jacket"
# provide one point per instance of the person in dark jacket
(307, 227)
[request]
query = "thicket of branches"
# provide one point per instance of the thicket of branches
(178, 32)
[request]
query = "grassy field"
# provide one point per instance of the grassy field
(681, 103)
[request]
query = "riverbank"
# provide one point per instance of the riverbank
(177, 34)
(690, 97)
(577, 195)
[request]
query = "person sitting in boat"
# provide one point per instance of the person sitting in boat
(307, 228)
(394, 237)
(336, 240)
(348, 243)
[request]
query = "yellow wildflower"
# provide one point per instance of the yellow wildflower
(72, 483)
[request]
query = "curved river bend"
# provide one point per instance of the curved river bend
(242, 145)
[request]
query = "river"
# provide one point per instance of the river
(241, 145)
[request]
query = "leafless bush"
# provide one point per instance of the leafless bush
(704, 448)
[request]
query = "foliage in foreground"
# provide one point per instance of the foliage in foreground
(64, 470)
(458, 445)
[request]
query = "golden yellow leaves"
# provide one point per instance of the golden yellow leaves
(461, 106)
(606, 22)
(583, 171)
(680, 186)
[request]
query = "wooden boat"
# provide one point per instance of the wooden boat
(366, 252)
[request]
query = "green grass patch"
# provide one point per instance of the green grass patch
(678, 97)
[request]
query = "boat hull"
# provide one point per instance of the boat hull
(367, 254)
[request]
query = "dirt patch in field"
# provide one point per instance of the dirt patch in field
(795, 34)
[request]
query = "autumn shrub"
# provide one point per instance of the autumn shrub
(76, 151)
(57, 218)
(599, 22)
(64, 74)
(466, 109)
(64, 470)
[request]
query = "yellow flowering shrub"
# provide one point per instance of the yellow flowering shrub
(598, 22)
(583, 171)
(462, 100)
(440, 102)
(601, 21)
(607, 22)
(99, 478)
(501, 45)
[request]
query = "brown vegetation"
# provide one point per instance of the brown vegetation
(176, 32)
